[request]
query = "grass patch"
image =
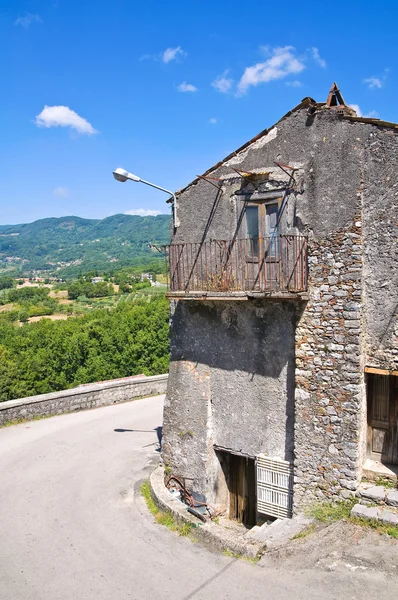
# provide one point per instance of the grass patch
(303, 534)
(327, 512)
(185, 529)
(146, 493)
(386, 483)
(383, 528)
(164, 518)
(21, 420)
(185, 434)
(231, 554)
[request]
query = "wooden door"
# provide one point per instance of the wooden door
(253, 253)
(271, 246)
(242, 490)
(382, 394)
(262, 251)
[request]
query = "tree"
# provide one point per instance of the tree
(6, 283)
(49, 355)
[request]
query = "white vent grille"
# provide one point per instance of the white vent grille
(274, 487)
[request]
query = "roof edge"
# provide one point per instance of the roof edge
(307, 101)
(371, 121)
(304, 103)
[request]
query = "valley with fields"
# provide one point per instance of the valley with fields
(62, 326)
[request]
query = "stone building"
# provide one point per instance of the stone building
(284, 335)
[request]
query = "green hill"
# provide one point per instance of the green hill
(68, 245)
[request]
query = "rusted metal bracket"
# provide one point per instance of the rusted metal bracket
(158, 248)
(284, 167)
(242, 173)
(208, 179)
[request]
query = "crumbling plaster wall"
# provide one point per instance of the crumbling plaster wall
(231, 385)
(380, 226)
(337, 186)
(327, 157)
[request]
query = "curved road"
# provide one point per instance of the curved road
(73, 528)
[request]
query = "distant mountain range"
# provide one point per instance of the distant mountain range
(69, 245)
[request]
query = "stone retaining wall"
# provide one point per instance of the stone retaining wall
(83, 397)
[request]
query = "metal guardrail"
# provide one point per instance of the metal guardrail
(275, 263)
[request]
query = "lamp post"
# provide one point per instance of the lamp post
(122, 176)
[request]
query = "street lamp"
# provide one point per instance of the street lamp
(122, 175)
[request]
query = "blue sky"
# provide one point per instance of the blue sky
(166, 89)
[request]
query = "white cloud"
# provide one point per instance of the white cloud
(213, 120)
(62, 192)
(143, 212)
(282, 63)
(357, 109)
(186, 87)
(63, 116)
(373, 114)
(167, 56)
(27, 20)
(294, 83)
(317, 58)
(173, 54)
(370, 115)
(373, 82)
(223, 83)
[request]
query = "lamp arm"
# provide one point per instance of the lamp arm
(167, 192)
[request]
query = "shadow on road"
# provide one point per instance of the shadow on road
(158, 431)
(206, 583)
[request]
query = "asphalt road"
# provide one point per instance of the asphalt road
(72, 526)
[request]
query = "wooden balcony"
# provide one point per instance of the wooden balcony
(275, 266)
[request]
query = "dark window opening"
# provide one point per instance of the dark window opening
(252, 226)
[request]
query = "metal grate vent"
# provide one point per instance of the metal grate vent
(274, 487)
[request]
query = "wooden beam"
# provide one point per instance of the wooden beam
(376, 371)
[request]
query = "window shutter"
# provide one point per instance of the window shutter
(274, 487)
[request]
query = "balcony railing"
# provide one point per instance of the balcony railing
(269, 264)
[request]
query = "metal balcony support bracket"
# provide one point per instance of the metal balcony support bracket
(161, 249)
(211, 180)
(284, 167)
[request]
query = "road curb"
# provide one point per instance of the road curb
(210, 534)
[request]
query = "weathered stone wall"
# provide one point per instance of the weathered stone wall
(83, 397)
(228, 386)
(330, 394)
(380, 229)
